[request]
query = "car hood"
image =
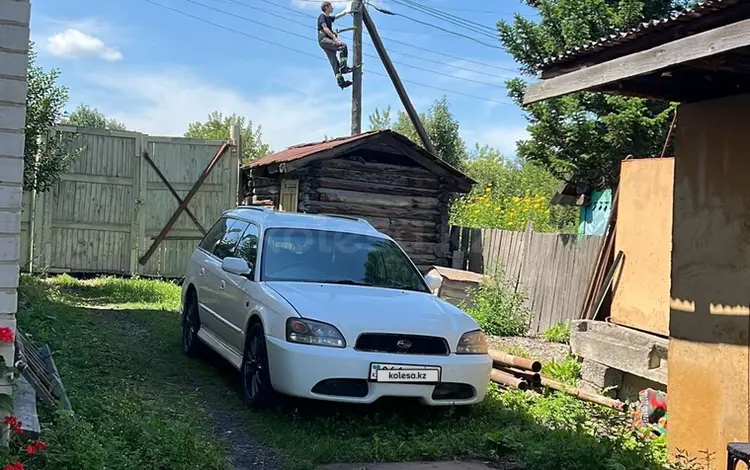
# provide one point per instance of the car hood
(358, 309)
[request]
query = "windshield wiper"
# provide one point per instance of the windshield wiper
(348, 282)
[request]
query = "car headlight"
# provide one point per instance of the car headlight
(473, 342)
(302, 330)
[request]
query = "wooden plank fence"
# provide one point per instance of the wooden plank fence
(108, 208)
(552, 270)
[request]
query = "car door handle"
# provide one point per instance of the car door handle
(202, 272)
(222, 284)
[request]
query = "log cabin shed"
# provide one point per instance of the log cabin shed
(699, 57)
(399, 187)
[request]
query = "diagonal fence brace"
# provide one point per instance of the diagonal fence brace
(183, 205)
(164, 180)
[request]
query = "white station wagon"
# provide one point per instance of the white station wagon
(326, 307)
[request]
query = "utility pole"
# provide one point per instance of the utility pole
(410, 111)
(357, 9)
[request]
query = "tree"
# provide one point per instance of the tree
(584, 136)
(86, 116)
(218, 126)
(508, 194)
(45, 157)
(441, 127)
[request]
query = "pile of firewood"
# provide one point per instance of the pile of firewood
(524, 374)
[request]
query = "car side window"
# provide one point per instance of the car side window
(247, 248)
(228, 242)
(215, 234)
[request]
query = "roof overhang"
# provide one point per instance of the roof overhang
(388, 140)
(706, 65)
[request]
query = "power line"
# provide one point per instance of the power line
(308, 38)
(405, 54)
(315, 56)
(442, 8)
(507, 69)
(449, 17)
(387, 12)
(423, 49)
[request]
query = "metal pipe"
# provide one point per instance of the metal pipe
(510, 360)
(533, 378)
(578, 393)
(503, 378)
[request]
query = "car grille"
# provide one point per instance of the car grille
(402, 344)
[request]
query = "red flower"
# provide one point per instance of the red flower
(40, 445)
(18, 466)
(8, 467)
(14, 424)
(31, 449)
(7, 335)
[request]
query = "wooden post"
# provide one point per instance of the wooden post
(378, 43)
(357, 7)
(236, 137)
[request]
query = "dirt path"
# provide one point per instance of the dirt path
(221, 403)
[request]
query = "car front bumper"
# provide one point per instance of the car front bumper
(333, 374)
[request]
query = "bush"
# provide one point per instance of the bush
(558, 333)
(499, 309)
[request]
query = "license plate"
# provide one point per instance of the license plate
(404, 373)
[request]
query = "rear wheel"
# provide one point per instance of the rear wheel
(256, 378)
(191, 344)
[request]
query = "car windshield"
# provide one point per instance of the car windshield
(302, 255)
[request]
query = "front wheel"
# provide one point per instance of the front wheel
(256, 378)
(191, 344)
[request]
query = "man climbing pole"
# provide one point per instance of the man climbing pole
(331, 44)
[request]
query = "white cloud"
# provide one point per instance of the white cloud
(74, 43)
(165, 102)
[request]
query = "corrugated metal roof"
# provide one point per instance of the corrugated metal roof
(698, 10)
(304, 150)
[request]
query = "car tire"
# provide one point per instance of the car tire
(191, 343)
(256, 378)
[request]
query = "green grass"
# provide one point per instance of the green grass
(567, 371)
(557, 333)
(140, 403)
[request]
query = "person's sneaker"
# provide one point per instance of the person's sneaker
(345, 84)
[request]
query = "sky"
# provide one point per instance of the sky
(157, 70)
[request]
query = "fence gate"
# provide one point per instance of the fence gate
(130, 204)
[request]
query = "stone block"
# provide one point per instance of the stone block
(13, 90)
(11, 144)
(618, 347)
(14, 63)
(10, 222)
(12, 117)
(600, 375)
(17, 12)
(11, 170)
(9, 273)
(14, 37)
(11, 196)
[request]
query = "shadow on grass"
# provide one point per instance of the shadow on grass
(133, 359)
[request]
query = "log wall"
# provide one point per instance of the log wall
(409, 203)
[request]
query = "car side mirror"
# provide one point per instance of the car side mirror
(433, 282)
(236, 266)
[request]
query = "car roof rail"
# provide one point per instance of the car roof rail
(256, 208)
(348, 217)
